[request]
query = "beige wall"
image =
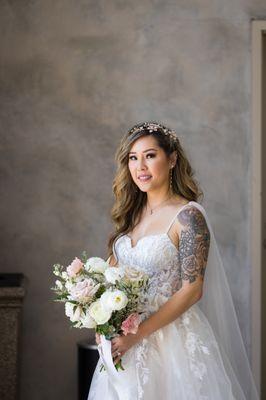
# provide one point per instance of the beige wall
(73, 77)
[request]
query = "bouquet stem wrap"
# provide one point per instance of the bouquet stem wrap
(105, 352)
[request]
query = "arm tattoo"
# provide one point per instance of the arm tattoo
(194, 244)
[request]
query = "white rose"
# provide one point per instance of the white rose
(113, 273)
(98, 313)
(96, 264)
(87, 321)
(106, 300)
(84, 290)
(113, 300)
(133, 274)
(73, 315)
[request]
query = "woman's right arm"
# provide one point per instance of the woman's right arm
(111, 260)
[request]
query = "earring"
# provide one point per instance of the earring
(171, 180)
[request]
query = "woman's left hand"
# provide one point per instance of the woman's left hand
(121, 344)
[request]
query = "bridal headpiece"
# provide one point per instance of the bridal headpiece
(154, 127)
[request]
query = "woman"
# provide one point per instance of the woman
(188, 345)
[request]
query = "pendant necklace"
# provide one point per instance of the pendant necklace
(154, 208)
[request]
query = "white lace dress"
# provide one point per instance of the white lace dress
(180, 361)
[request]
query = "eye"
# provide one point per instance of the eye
(151, 154)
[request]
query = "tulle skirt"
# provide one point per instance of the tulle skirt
(180, 361)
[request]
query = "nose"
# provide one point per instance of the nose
(141, 163)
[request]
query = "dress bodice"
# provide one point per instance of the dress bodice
(156, 255)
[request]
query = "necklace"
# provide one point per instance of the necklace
(154, 208)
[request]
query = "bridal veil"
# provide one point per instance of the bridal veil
(217, 305)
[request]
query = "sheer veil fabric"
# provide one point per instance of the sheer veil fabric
(217, 305)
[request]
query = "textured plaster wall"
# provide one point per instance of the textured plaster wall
(73, 76)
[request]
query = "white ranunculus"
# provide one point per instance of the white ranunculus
(119, 299)
(98, 313)
(113, 273)
(87, 321)
(96, 264)
(113, 300)
(84, 290)
(73, 315)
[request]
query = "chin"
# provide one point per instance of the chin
(144, 189)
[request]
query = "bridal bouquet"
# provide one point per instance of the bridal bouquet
(107, 299)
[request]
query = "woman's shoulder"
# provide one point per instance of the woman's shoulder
(194, 205)
(197, 205)
(192, 214)
(183, 204)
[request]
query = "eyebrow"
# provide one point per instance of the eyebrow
(145, 151)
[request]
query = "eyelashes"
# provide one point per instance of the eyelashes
(152, 155)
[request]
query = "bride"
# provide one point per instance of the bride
(188, 345)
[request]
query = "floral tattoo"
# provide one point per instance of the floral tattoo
(194, 244)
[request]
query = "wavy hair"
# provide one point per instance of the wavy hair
(129, 199)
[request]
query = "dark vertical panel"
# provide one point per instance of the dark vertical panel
(263, 270)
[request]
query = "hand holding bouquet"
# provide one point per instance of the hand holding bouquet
(96, 295)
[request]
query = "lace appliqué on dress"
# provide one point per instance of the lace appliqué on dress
(142, 371)
(194, 345)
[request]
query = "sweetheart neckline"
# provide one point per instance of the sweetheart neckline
(156, 234)
(150, 235)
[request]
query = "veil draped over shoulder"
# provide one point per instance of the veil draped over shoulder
(217, 305)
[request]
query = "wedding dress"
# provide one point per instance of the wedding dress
(200, 355)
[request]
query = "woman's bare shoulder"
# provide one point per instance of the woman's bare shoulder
(189, 218)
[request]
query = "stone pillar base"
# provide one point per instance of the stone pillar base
(11, 299)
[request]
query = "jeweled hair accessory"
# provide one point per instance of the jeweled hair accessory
(154, 127)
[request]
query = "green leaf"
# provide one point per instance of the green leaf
(84, 257)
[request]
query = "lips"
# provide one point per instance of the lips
(144, 178)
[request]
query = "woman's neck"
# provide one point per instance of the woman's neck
(156, 198)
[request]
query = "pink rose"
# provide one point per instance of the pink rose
(74, 268)
(84, 290)
(130, 325)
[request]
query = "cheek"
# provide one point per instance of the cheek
(159, 168)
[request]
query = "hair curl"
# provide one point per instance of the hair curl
(129, 199)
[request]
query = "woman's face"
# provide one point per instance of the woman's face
(149, 165)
